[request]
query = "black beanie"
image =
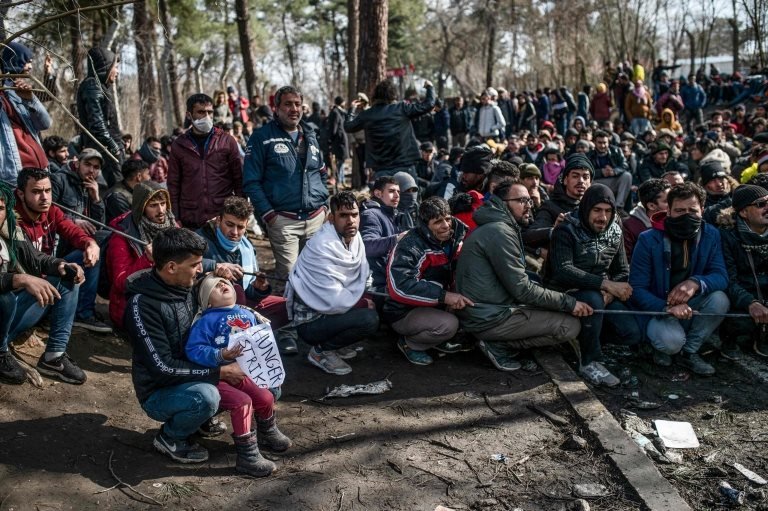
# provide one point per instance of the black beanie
(745, 195)
(476, 160)
(577, 161)
(710, 170)
(595, 194)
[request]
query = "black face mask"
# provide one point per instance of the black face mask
(408, 200)
(683, 227)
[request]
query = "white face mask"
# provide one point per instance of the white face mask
(204, 125)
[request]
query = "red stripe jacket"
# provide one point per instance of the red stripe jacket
(421, 270)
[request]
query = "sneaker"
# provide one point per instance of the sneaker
(662, 359)
(287, 345)
(212, 427)
(346, 353)
(695, 363)
(328, 361)
(419, 358)
(730, 351)
(449, 347)
(92, 324)
(63, 368)
(500, 362)
(596, 374)
(10, 370)
(181, 451)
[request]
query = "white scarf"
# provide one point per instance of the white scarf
(328, 277)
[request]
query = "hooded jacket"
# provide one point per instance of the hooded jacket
(379, 227)
(31, 116)
(41, 233)
(420, 270)
(651, 264)
(491, 272)
(200, 183)
(580, 258)
(737, 240)
(600, 108)
(126, 257)
(158, 319)
(96, 107)
(669, 121)
(390, 141)
(637, 223)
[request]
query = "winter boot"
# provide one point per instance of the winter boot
(270, 437)
(249, 459)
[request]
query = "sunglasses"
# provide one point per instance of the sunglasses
(760, 204)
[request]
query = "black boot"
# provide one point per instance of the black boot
(249, 459)
(270, 437)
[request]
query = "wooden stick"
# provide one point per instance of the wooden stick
(123, 484)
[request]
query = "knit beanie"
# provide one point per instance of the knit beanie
(710, 170)
(745, 195)
(476, 160)
(529, 170)
(405, 181)
(206, 287)
(578, 161)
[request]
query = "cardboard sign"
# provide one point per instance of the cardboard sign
(260, 359)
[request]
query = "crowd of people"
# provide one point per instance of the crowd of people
(505, 222)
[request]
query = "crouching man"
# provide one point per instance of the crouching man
(491, 273)
(677, 267)
(180, 394)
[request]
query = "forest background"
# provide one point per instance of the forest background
(172, 48)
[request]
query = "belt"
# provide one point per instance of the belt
(302, 215)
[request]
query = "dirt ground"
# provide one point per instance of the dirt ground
(427, 442)
(728, 413)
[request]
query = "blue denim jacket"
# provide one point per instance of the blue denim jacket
(35, 118)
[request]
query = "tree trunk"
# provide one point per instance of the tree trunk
(491, 51)
(77, 49)
(692, 47)
(142, 29)
(372, 57)
(734, 23)
(246, 48)
(3, 13)
(353, 43)
(169, 62)
(289, 48)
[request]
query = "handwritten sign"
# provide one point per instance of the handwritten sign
(260, 358)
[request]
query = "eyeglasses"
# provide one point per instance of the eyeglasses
(525, 201)
(760, 204)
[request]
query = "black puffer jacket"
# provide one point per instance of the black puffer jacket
(737, 238)
(29, 260)
(421, 270)
(581, 259)
(157, 319)
(389, 136)
(96, 106)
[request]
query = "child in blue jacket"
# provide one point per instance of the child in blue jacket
(207, 346)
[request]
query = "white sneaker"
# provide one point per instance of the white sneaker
(596, 374)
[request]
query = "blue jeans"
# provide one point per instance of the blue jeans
(23, 312)
(86, 300)
(182, 408)
(670, 335)
(334, 331)
(639, 126)
(625, 327)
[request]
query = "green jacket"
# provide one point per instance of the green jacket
(491, 272)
